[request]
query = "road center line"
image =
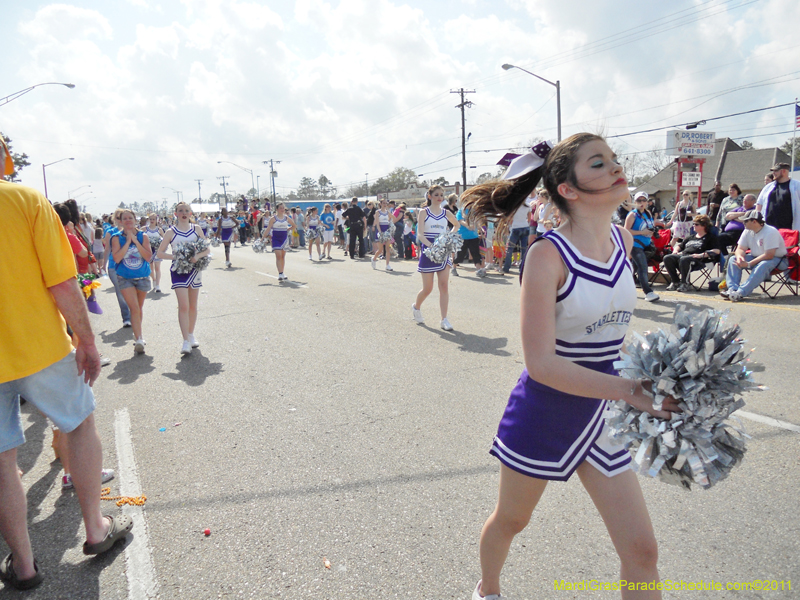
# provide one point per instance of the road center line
(142, 581)
(768, 420)
(302, 285)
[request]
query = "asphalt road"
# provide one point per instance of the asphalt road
(318, 422)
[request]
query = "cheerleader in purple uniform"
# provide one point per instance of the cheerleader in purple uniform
(576, 302)
(432, 223)
(384, 219)
(225, 231)
(314, 232)
(186, 285)
(280, 226)
(153, 230)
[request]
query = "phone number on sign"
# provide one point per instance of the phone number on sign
(756, 585)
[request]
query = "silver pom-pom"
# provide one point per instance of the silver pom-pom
(701, 362)
(183, 252)
(387, 236)
(214, 241)
(313, 233)
(443, 246)
(259, 246)
(155, 241)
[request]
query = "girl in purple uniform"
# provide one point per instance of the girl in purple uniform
(280, 226)
(576, 301)
(432, 223)
(186, 285)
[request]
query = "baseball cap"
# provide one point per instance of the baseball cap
(752, 215)
(641, 195)
(779, 166)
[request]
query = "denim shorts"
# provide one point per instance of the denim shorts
(57, 391)
(140, 283)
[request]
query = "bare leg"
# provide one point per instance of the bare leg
(86, 461)
(132, 300)
(630, 529)
(427, 288)
(194, 296)
(387, 252)
(182, 294)
(14, 515)
(443, 278)
(157, 271)
(519, 495)
(280, 260)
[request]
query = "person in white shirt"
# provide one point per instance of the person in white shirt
(519, 235)
(761, 249)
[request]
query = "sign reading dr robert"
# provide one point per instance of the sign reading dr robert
(690, 143)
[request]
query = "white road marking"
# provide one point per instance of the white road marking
(142, 581)
(768, 420)
(302, 285)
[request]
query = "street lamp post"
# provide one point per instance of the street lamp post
(556, 85)
(252, 179)
(69, 193)
(178, 193)
(16, 95)
(366, 187)
(44, 172)
(272, 175)
(258, 188)
(83, 194)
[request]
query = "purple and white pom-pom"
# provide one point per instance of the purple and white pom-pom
(259, 246)
(702, 363)
(387, 236)
(443, 246)
(185, 251)
(313, 233)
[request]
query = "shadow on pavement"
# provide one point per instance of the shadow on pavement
(119, 338)
(128, 371)
(194, 369)
(469, 342)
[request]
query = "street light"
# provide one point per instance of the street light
(178, 193)
(69, 193)
(44, 173)
(252, 179)
(82, 194)
(556, 85)
(16, 95)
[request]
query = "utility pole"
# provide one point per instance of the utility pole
(272, 175)
(199, 195)
(464, 104)
(224, 191)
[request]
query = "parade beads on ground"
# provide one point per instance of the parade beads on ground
(187, 250)
(443, 246)
(388, 235)
(702, 363)
(259, 246)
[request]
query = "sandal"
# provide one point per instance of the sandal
(8, 575)
(121, 525)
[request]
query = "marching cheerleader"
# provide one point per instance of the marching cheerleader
(384, 219)
(186, 285)
(155, 233)
(431, 224)
(574, 277)
(314, 232)
(328, 219)
(132, 257)
(203, 223)
(226, 229)
(280, 226)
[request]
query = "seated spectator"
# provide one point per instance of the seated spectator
(692, 252)
(733, 226)
(731, 201)
(760, 249)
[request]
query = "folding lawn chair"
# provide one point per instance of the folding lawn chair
(786, 277)
(661, 239)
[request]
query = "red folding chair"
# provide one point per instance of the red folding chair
(661, 239)
(786, 277)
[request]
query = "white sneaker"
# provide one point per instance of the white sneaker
(480, 273)
(186, 348)
(389, 268)
(446, 325)
(735, 296)
(652, 297)
(374, 264)
(417, 313)
(158, 289)
(138, 346)
(310, 258)
(193, 341)
(476, 595)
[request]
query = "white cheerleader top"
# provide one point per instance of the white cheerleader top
(181, 237)
(595, 304)
(281, 224)
(383, 218)
(435, 225)
(313, 222)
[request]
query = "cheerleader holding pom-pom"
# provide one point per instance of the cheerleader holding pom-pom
(575, 278)
(186, 285)
(431, 224)
(280, 227)
(313, 232)
(155, 234)
(386, 223)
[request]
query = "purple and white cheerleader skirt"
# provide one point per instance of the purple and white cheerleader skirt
(186, 280)
(227, 235)
(547, 434)
(280, 240)
(426, 265)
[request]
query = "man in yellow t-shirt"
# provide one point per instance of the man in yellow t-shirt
(37, 361)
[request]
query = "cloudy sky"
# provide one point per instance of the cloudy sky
(347, 88)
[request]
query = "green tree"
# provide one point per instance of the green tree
(326, 188)
(20, 160)
(308, 188)
(747, 145)
(398, 179)
(484, 177)
(787, 147)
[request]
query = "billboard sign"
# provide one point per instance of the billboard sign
(690, 143)
(691, 179)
